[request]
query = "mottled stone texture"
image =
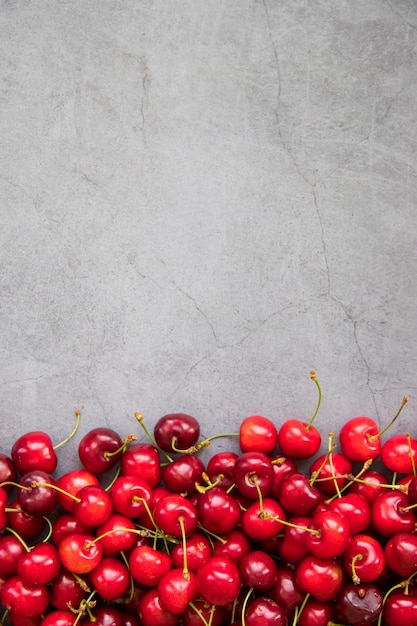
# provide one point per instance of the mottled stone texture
(200, 202)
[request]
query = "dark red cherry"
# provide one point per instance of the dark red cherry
(38, 497)
(100, 449)
(176, 431)
(183, 473)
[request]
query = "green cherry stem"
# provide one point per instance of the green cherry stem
(185, 571)
(384, 430)
(199, 613)
(313, 417)
(299, 609)
(245, 602)
(72, 433)
(129, 439)
(24, 544)
(139, 418)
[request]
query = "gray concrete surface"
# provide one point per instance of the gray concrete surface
(200, 201)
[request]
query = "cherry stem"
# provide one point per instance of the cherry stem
(314, 378)
(355, 578)
(132, 582)
(129, 439)
(206, 442)
(24, 544)
(185, 571)
(265, 515)
(199, 613)
(299, 609)
(336, 484)
(384, 430)
(136, 531)
(210, 534)
(258, 489)
(209, 485)
(410, 450)
(141, 421)
(351, 478)
(244, 604)
(72, 433)
(354, 479)
(11, 483)
(35, 484)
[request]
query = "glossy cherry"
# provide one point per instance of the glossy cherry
(264, 612)
(221, 468)
(401, 554)
(321, 578)
(39, 566)
(24, 600)
(218, 511)
(151, 612)
(80, 554)
(258, 570)
(183, 473)
(110, 578)
(100, 449)
(364, 559)
(399, 454)
(254, 474)
(257, 434)
(38, 497)
(331, 537)
(218, 581)
(176, 431)
(142, 459)
(358, 603)
(174, 512)
(148, 565)
(176, 590)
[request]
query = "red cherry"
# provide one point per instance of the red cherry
(8, 472)
(364, 559)
(151, 612)
(176, 431)
(24, 600)
(233, 544)
(182, 474)
(171, 510)
(39, 566)
(263, 523)
(331, 472)
(218, 581)
(66, 524)
(282, 467)
(264, 612)
(142, 459)
(110, 578)
(359, 439)
(258, 570)
(218, 511)
(176, 590)
(100, 449)
(34, 451)
(390, 514)
(37, 497)
(104, 615)
(370, 485)
(200, 613)
(254, 474)
(148, 565)
(117, 534)
(331, 537)
(293, 547)
(286, 592)
(11, 549)
(257, 434)
(355, 508)
(359, 603)
(297, 495)
(79, 554)
(59, 618)
(399, 454)
(316, 613)
(71, 483)
(130, 495)
(401, 554)
(198, 550)
(94, 505)
(321, 578)
(26, 526)
(400, 608)
(221, 469)
(67, 590)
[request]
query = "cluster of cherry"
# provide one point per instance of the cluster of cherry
(248, 539)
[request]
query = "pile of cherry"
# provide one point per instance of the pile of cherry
(280, 533)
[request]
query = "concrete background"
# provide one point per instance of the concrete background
(200, 202)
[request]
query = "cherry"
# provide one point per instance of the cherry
(399, 454)
(142, 459)
(66, 524)
(36, 494)
(293, 546)
(258, 570)
(391, 515)
(400, 608)
(282, 467)
(364, 559)
(67, 590)
(130, 496)
(39, 566)
(59, 618)
(110, 578)
(176, 432)
(330, 472)
(26, 526)
(8, 472)
(104, 615)
(321, 578)
(401, 553)
(263, 521)
(286, 592)
(101, 448)
(148, 565)
(71, 483)
(200, 613)
(176, 590)
(297, 495)
(358, 603)
(221, 468)
(257, 434)
(218, 511)
(370, 485)
(316, 613)
(254, 474)
(79, 554)
(117, 534)
(332, 536)
(182, 474)
(11, 549)
(355, 508)
(218, 580)
(24, 600)
(264, 612)
(300, 440)
(151, 612)
(233, 544)
(198, 550)
(359, 439)
(93, 505)
(173, 513)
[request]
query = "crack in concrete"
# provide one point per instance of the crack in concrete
(20, 188)
(312, 187)
(144, 98)
(398, 14)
